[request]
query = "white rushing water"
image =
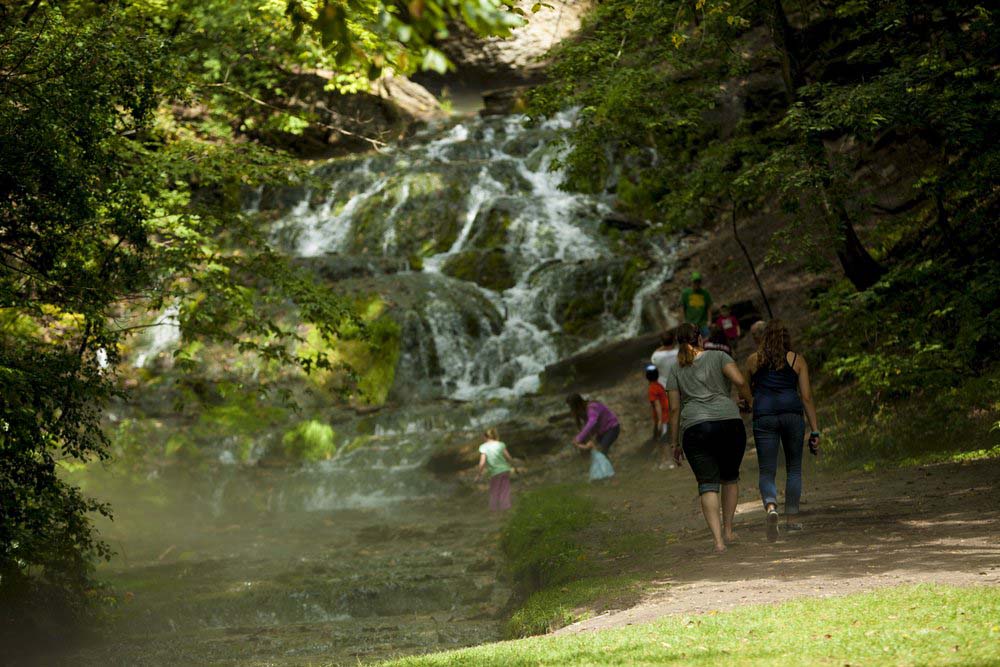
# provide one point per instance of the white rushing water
(479, 342)
(162, 336)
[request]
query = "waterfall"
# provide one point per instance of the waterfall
(163, 335)
(503, 259)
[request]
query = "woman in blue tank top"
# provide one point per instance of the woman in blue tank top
(779, 379)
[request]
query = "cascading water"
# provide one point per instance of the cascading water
(492, 273)
(504, 264)
(162, 336)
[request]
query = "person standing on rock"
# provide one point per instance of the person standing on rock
(596, 421)
(707, 428)
(782, 392)
(696, 304)
(497, 461)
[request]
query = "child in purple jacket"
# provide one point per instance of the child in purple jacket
(597, 422)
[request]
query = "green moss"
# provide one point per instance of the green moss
(356, 443)
(179, 445)
(309, 441)
(581, 314)
(371, 352)
(491, 229)
(377, 360)
(428, 216)
(628, 284)
(489, 269)
(239, 419)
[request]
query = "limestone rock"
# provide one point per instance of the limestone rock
(410, 98)
(601, 366)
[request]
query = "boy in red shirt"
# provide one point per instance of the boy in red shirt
(729, 325)
(658, 397)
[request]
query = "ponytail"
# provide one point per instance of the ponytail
(492, 434)
(688, 344)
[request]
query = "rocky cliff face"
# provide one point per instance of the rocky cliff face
(488, 63)
(522, 54)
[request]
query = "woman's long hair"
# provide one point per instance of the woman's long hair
(688, 344)
(578, 407)
(775, 344)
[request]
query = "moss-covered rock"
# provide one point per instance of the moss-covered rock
(423, 210)
(310, 440)
(487, 268)
(582, 313)
(629, 282)
(371, 354)
(491, 226)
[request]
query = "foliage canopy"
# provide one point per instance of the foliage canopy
(112, 204)
(692, 110)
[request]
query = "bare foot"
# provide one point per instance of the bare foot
(731, 538)
(720, 548)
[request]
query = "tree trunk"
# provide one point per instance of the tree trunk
(784, 41)
(858, 264)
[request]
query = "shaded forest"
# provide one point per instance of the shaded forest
(861, 136)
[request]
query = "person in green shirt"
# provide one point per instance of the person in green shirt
(696, 304)
(495, 460)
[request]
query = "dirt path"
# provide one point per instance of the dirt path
(936, 524)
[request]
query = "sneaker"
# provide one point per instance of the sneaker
(772, 525)
(792, 526)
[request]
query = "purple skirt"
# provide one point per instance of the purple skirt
(500, 492)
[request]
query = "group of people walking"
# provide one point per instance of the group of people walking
(708, 431)
(692, 378)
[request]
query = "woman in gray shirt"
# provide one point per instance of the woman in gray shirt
(713, 435)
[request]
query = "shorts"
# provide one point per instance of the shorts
(606, 439)
(715, 451)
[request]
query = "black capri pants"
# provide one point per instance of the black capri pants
(715, 451)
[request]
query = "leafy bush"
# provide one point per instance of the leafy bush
(309, 441)
(924, 327)
(945, 423)
(540, 540)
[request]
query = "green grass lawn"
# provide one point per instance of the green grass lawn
(923, 625)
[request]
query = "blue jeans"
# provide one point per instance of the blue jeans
(788, 431)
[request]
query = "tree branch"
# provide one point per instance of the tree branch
(753, 269)
(375, 143)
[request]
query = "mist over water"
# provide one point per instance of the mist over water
(370, 554)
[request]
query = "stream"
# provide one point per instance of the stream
(493, 273)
